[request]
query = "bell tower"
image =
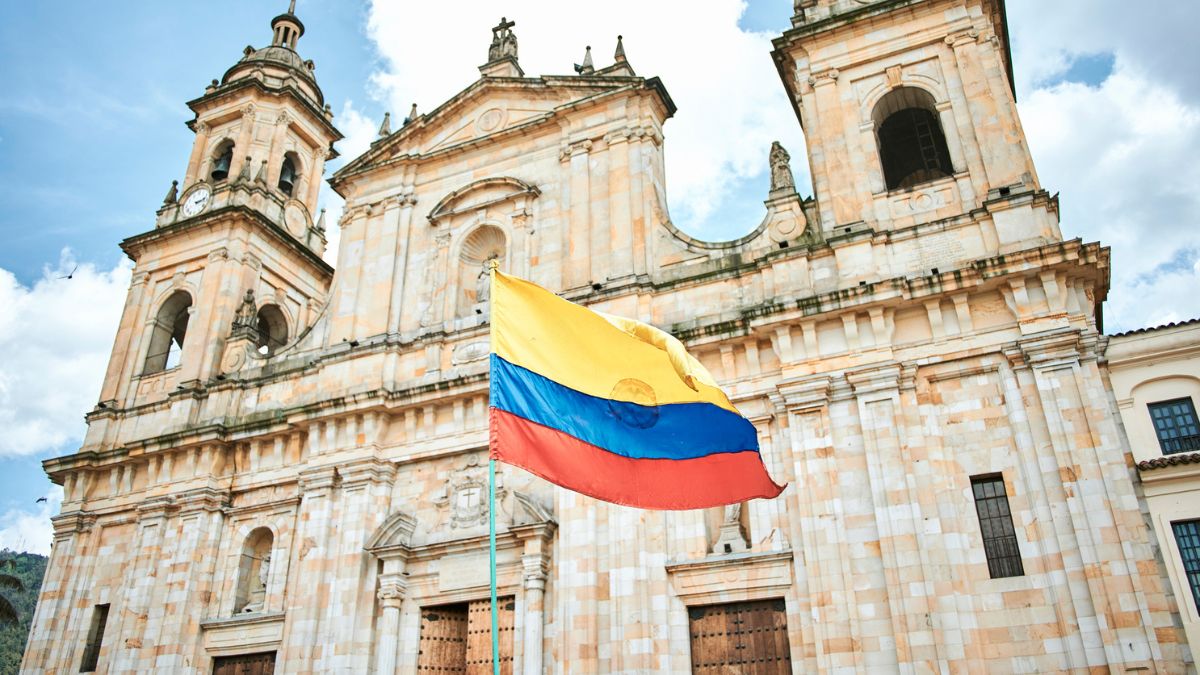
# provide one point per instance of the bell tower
(910, 116)
(235, 254)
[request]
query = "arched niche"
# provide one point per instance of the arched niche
(482, 245)
(254, 572)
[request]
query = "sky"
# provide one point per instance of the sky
(92, 132)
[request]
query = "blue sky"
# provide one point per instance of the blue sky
(92, 133)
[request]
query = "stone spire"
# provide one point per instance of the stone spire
(385, 129)
(412, 115)
(321, 221)
(586, 68)
(619, 54)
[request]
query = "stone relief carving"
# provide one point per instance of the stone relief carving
(470, 352)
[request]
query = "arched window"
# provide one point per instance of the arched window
(288, 175)
(222, 158)
(912, 147)
(254, 572)
(170, 328)
(272, 329)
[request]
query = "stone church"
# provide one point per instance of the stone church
(286, 470)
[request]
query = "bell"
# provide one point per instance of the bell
(221, 167)
(287, 177)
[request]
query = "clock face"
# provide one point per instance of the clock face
(195, 202)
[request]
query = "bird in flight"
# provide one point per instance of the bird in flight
(72, 274)
(39, 500)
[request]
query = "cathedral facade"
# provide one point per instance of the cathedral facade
(287, 469)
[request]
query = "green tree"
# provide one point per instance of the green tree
(28, 569)
(8, 613)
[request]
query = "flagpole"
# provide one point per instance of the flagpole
(492, 265)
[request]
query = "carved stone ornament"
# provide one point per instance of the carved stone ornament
(781, 170)
(470, 352)
(466, 494)
(504, 41)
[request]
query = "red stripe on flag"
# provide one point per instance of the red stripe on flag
(675, 484)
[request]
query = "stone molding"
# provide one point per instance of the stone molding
(732, 578)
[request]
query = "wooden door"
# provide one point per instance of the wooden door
(749, 638)
(479, 636)
(443, 646)
(245, 664)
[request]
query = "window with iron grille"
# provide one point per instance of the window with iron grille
(91, 652)
(1187, 537)
(1175, 424)
(995, 521)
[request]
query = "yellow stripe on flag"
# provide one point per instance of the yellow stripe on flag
(580, 349)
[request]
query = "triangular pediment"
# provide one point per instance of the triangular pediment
(491, 107)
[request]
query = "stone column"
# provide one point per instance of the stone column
(392, 588)
(242, 148)
(400, 271)
(196, 161)
(535, 567)
(578, 227)
(620, 248)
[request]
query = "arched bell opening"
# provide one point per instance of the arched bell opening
(912, 145)
(167, 336)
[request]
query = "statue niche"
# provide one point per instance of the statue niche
(254, 572)
(483, 245)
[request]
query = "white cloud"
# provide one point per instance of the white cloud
(55, 340)
(731, 102)
(30, 531)
(1122, 153)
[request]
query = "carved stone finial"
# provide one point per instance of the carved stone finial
(172, 194)
(246, 318)
(385, 129)
(412, 115)
(781, 170)
(261, 178)
(244, 174)
(504, 41)
(321, 221)
(586, 68)
(619, 55)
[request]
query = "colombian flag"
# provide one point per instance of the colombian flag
(613, 408)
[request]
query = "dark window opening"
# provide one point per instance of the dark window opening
(167, 336)
(458, 638)
(91, 651)
(995, 521)
(272, 330)
(912, 145)
(1187, 538)
(221, 161)
(287, 176)
(1175, 425)
(740, 637)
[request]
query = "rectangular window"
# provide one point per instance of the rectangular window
(995, 521)
(91, 652)
(458, 638)
(1187, 537)
(1175, 425)
(740, 637)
